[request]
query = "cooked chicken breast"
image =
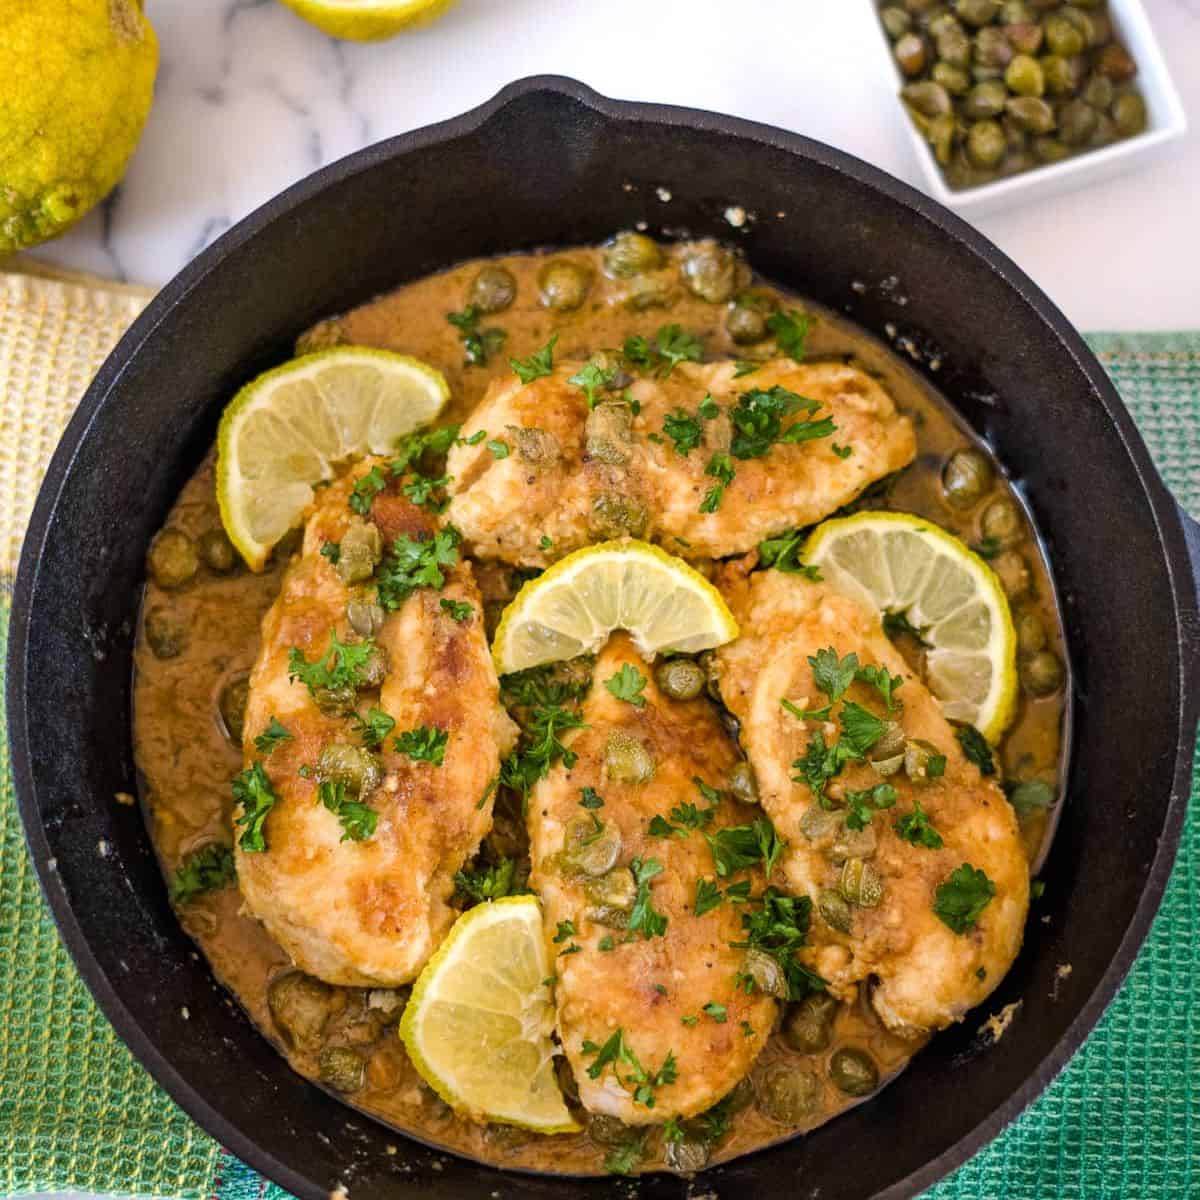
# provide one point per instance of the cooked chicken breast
(929, 975)
(575, 476)
(372, 910)
(642, 972)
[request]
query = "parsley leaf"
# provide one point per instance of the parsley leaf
(708, 896)
(420, 490)
(478, 344)
(426, 743)
(342, 666)
(475, 438)
(539, 364)
(459, 610)
(737, 847)
(565, 929)
(365, 489)
(976, 748)
(592, 378)
(820, 763)
(412, 447)
(374, 728)
(861, 806)
(805, 714)
(783, 553)
(833, 675)
(543, 695)
(915, 828)
(720, 467)
(718, 1012)
(791, 332)
(627, 684)
(415, 563)
(489, 882)
(271, 737)
(745, 367)
(964, 895)
(644, 917)
(545, 543)
(758, 421)
(499, 448)
(590, 798)
(861, 729)
(332, 551)
(203, 870)
(883, 682)
(779, 927)
(624, 1157)
(684, 431)
(669, 347)
(358, 821)
(841, 451)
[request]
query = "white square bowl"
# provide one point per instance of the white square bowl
(1166, 122)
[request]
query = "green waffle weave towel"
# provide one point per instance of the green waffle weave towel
(1122, 1122)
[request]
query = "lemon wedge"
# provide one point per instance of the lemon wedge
(367, 20)
(478, 1024)
(571, 608)
(901, 564)
(290, 428)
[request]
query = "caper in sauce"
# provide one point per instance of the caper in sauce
(860, 883)
(608, 433)
(613, 515)
(1000, 522)
(231, 704)
(493, 289)
(853, 1071)
(590, 846)
(966, 476)
(563, 285)
(808, 1024)
(172, 560)
(217, 552)
(680, 678)
(787, 1093)
(626, 760)
(341, 1068)
(300, 1007)
(165, 634)
(354, 768)
(746, 320)
(710, 272)
(743, 785)
(765, 973)
(365, 617)
(1041, 674)
(627, 254)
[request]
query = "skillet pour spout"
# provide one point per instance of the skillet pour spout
(546, 162)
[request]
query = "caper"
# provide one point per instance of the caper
(910, 54)
(1033, 795)
(890, 744)
(1041, 674)
(612, 892)
(920, 759)
(1031, 114)
(1049, 149)
(231, 704)
(608, 433)
(686, 1155)
(1031, 633)
(940, 134)
(766, 973)
(928, 98)
(985, 100)
(746, 320)
(217, 552)
(628, 254)
(365, 618)
(836, 911)
(1062, 37)
(993, 49)
(965, 477)
(650, 291)
(1016, 12)
(986, 144)
(1025, 38)
(1013, 572)
(941, 21)
(506, 1137)
(1098, 91)
(1115, 63)
(1082, 21)
(977, 12)
(896, 21)
(680, 678)
(165, 635)
(983, 74)
(923, 8)
(1024, 76)
(1061, 73)
(341, 1068)
(537, 447)
(743, 783)
(172, 560)
(860, 883)
(1076, 122)
(492, 290)
(954, 48)
(852, 843)
(374, 669)
(1001, 522)
(707, 661)
(1016, 138)
(591, 850)
(788, 1094)
(300, 1006)
(1129, 114)
(360, 551)
(356, 769)
(808, 1025)
(955, 80)
(563, 285)
(335, 701)
(710, 272)
(613, 515)
(607, 1131)
(626, 760)
(853, 1072)
(817, 822)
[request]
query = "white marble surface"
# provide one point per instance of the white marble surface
(251, 99)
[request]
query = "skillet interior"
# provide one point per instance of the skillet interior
(546, 163)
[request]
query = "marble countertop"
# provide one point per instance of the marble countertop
(251, 99)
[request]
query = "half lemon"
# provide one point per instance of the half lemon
(367, 20)
(291, 427)
(901, 564)
(478, 1024)
(572, 608)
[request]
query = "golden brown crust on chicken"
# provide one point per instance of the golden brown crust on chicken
(644, 986)
(550, 483)
(371, 911)
(929, 976)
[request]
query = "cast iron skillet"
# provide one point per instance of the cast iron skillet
(549, 161)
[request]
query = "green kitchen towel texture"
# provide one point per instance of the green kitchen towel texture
(1122, 1122)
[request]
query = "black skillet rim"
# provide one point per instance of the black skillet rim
(1166, 514)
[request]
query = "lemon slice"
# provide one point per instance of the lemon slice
(367, 20)
(478, 1024)
(898, 563)
(289, 428)
(571, 608)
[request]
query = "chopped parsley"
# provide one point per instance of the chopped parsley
(489, 882)
(272, 736)
(885, 683)
(627, 684)
(791, 332)
(412, 447)
(566, 929)
(783, 553)
(373, 728)
(538, 365)
(689, 1020)
(365, 489)
(332, 551)
(841, 451)
(624, 1157)
(708, 897)
(684, 431)
(590, 798)
(421, 491)
(475, 438)
(672, 1131)
(737, 847)
(686, 815)
(717, 1011)
(758, 421)
(415, 563)
(592, 378)
(915, 828)
(606, 943)
(544, 699)
(896, 623)
(342, 666)
(833, 675)
(358, 820)
(670, 346)
(545, 543)
(745, 367)
(779, 927)
(618, 1053)
(459, 610)
(573, 948)
(203, 870)
(862, 806)
(861, 728)
(478, 344)
(720, 467)
(746, 1028)
(644, 917)
(975, 747)
(426, 743)
(499, 448)
(964, 895)
(493, 784)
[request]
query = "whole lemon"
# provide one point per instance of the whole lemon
(76, 81)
